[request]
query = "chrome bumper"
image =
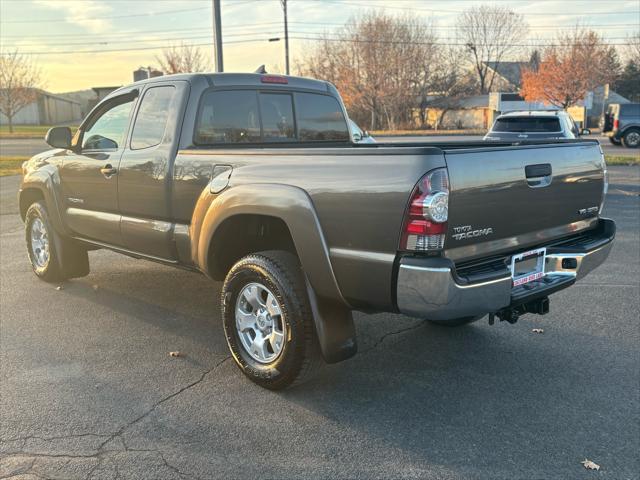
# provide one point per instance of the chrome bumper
(430, 288)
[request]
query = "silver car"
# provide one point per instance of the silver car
(534, 125)
(358, 135)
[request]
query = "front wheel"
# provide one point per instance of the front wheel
(53, 257)
(267, 320)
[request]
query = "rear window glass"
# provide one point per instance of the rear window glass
(276, 111)
(228, 117)
(527, 124)
(630, 109)
(152, 117)
(320, 118)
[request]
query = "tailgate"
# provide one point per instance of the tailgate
(509, 198)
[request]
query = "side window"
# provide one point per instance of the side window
(151, 121)
(320, 118)
(228, 117)
(276, 112)
(108, 131)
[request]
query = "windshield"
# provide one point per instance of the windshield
(527, 124)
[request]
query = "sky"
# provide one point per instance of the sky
(80, 44)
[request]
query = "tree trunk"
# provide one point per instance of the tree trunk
(441, 119)
(10, 119)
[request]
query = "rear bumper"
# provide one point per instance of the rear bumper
(615, 134)
(431, 287)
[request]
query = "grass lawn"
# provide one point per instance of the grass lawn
(26, 131)
(631, 159)
(11, 165)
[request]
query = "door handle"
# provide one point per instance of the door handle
(538, 175)
(108, 170)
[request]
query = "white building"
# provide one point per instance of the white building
(46, 109)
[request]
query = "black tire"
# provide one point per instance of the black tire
(615, 141)
(66, 258)
(456, 322)
(631, 139)
(300, 356)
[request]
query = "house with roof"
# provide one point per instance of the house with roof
(507, 75)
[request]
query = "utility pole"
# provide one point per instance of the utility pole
(217, 36)
(286, 35)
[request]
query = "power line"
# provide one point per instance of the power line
(130, 15)
(142, 40)
(434, 10)
(256, 40)
(134, 32)
(252, 26)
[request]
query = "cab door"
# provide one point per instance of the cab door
(89, 173)
(145, 174)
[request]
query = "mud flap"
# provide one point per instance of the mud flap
(73, 258)
(334, 327)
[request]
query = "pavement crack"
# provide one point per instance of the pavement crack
(389, 334)
(101, 453)
(158, 403)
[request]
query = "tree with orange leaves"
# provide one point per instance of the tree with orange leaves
(578, 62)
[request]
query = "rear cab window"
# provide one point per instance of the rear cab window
(153, 115)
(528, 124)
(269, 116)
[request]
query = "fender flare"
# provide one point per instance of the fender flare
(44, 181)
(331, 312)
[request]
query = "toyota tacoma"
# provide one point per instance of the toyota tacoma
(254, 180)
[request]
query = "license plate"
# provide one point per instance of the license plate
(528, 266)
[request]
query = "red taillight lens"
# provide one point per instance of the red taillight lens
(425, 224)
(616, 123)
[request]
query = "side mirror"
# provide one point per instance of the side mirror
(357, 137)
(585, 131)
(59, 137)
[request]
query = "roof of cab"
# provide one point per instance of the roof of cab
(533, 113)
(244, 79)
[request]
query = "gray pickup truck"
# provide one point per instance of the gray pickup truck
(254, 180)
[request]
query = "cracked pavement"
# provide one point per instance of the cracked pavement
(88, 389)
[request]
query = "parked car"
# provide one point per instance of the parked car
(358, 135)
(621, 123)
(254, 180)
(534, 125)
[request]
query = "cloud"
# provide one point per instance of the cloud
(84, 13)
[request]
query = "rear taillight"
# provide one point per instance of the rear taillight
(425, 224)
(616, 123)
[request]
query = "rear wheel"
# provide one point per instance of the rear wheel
(631, 139)
(456, 322)
(615, 141)
(267, 320)
(53, 257)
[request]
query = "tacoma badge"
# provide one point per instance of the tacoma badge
(467, 231)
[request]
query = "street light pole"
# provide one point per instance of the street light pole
(286, 36)
(217, 36)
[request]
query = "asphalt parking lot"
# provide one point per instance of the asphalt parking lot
(88, 389)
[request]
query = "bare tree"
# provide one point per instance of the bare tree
(452, 83)
(381, 65)
(490, 34)
(19, 81)
(182, 58)
(633, 50)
